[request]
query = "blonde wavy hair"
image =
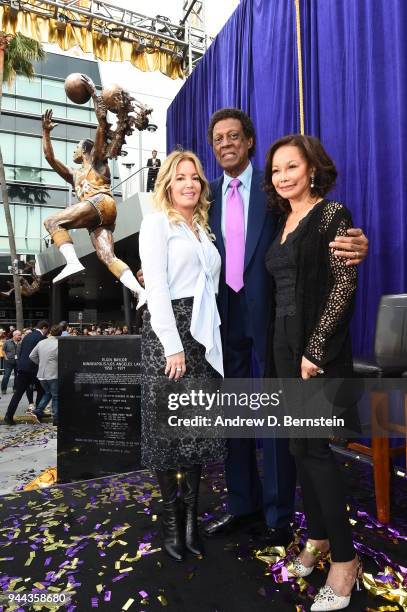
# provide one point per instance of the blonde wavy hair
(162, 190)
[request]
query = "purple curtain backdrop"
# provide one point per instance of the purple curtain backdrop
(355, 86)
(252, 65)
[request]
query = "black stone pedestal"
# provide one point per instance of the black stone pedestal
(99, 406)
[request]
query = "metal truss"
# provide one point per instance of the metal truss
(181, 40)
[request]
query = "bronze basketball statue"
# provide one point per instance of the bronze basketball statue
(27, 288)
(96, 209)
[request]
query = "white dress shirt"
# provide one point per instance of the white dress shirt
(176, 265)
(244, 189)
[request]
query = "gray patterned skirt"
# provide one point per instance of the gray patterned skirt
(158, 450)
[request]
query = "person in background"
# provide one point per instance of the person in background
(153, 164)
(45, 356)
(125, 330)
(10, 332)
(27, 370)
(118, 331)
(11, 349)
(65, 328)
(2, 341)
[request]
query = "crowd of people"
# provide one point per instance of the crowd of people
(31, 366)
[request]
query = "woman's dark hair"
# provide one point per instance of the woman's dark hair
(233, 113)
(315, 156)
(56, 330)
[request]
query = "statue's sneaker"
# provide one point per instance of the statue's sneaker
(69, 270)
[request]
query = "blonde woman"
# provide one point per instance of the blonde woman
(180, 336)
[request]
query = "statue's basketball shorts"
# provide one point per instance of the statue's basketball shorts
(105, 207)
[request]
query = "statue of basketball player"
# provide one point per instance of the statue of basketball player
(27, 288)
(96, 210)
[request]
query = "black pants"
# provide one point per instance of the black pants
(321, 481)
(23, 384)
(9, 368)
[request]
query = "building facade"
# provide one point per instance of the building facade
(35, 190)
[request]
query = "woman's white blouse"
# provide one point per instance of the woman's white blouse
(177, 265)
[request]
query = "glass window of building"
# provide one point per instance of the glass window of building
(28, 106)
(80, 113)
(28, 87)
(53, 90)
(10, 173)
(25, 173)
(7, 147)
(8, 123)
(28, 151)
(8, 103)
(70, 148)
(58, 110)
(49, 177)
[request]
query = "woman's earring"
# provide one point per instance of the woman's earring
(312, 181)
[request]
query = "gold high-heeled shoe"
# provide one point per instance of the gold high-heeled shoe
(326, 599)
(296, 568)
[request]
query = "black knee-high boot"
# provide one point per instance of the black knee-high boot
(172, 524)
(190, 488)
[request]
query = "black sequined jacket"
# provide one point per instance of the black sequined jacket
(325, 293)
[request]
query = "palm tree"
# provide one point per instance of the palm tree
(17, 54)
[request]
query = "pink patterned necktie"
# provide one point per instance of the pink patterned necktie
(235, 242)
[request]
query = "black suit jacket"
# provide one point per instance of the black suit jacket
(152, 170)
(29, 342)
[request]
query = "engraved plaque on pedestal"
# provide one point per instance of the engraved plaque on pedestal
(99, 406)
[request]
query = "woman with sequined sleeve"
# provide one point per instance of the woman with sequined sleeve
(313, 300)
(180, 338)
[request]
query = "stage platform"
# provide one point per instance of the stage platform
(98, 542)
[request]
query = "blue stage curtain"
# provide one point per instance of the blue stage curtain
(252, 65)
(355, 81)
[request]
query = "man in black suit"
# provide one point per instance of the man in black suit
(153, 165)
(27, 370)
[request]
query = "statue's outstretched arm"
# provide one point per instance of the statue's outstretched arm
(59, 167)
(102, 131)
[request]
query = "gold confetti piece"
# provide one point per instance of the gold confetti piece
(39, 585)
(153, 518)
(123, 557)
(99, 588)
(162, 600)
(117, 565)
(125, 569)
(30, 558)
(128, 603)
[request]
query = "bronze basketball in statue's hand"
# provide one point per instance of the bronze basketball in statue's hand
(78, 88)
(112, 96)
